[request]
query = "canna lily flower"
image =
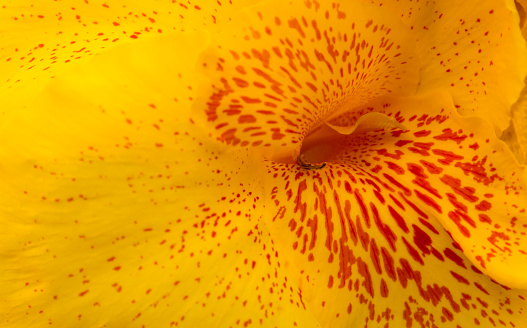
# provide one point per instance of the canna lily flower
(300, 164)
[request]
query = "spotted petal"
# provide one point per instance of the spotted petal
(117, 211)
(398, 226)
(475, 51)
(274, 76)
(40, 39)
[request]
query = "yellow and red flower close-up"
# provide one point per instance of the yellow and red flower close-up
(263, 163)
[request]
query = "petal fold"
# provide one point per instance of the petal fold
(278, 75)
(474, 50)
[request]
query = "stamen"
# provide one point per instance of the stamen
(308, 166)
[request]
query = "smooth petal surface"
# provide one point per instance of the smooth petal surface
(117, 211)
(474, 50)
(394, 230)
(278, 74)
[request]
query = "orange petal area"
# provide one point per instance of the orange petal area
(41, 38)
(516, 135)
(369, 122)
(474, 50)
(396, 229)
(521, 6)
(278, 74)
(117, 211)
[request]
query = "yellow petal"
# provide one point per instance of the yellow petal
(275, 75)
(397, 228)
(118, 211)
(40, 39)
(472, 49)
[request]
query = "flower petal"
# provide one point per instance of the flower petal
(119, 212)
(516, 135)
(278, 74)
(395, 228)
(521, 5)
(474, 50)
(40, 39)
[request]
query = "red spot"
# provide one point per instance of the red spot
(481, 288)
(478, 172)
(421, 239)
(384, 288)
(399, 219)
(458, 205)
(389, 265)
(384, 152)
(365, 273)
(466, 192)
(456, 217)
(431, 167)
(241, 83)
(422, 133)
(83, 293)
(246, 119)
(483, 206)
(402, 143)
(448, 156)
(454, 257)
(375, 256)
(383, 228)
(448, 134)
(363, 209)
(484, 218)
(493, 239)
(413, 252)
(399, 170)
(448, 314)
(406, 191)
(294, 24)
(428, 201)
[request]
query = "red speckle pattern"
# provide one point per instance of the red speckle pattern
(464, 47)
(274, 80)
(77, 30)
(404, 224)
(139, 192)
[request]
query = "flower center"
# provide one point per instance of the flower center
(275, 82)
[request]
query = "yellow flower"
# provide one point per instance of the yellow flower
(159, 182)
